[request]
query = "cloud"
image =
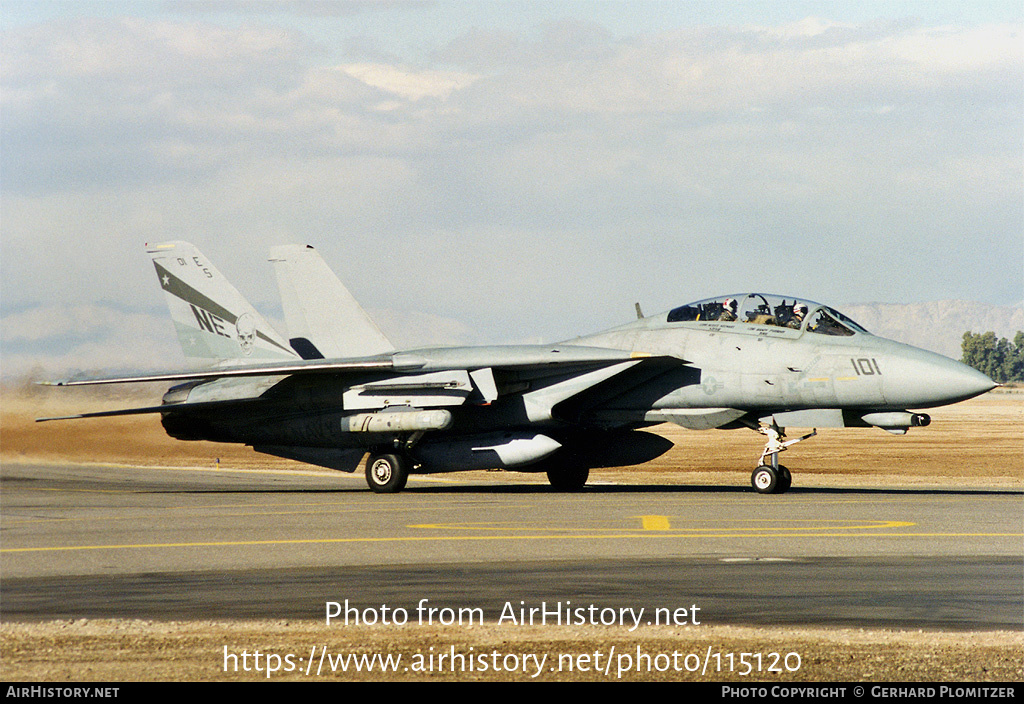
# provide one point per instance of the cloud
(308, 8)
(49, 342)
(531, 183)
(85, 338)
(708, 68)
(410, 85)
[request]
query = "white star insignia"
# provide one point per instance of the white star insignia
(167, 280)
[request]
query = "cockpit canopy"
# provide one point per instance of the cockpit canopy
(762, 309)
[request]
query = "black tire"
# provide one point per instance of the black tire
(568, 476)
(785, 480)
(387, 473)
(765, 480)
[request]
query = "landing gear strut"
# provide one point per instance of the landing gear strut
(770, 477)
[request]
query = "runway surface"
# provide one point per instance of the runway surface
(96, 541)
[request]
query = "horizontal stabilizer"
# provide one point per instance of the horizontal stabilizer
(162, 408)
(226, 372)
(106, 414)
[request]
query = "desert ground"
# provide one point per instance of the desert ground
(978, 443)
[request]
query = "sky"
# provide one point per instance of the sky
(501, 172)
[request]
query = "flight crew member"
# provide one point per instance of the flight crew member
(797, 319)
(729, 308)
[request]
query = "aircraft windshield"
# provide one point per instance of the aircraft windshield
(760, 309)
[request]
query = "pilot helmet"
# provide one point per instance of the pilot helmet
(800, 309)
(730, 304)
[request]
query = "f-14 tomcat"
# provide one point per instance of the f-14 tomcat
(336, 388)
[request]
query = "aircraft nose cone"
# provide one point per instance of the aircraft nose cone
(970, 382)
(959, 382)
(928, 379)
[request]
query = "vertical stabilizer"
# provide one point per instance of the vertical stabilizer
(323, 318)
(212, 319)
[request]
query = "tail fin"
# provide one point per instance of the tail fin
(212, 319)
(323, 318)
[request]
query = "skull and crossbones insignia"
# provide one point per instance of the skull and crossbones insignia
(245, 328)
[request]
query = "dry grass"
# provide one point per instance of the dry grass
(111, 651)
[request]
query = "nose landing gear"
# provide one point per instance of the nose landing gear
(770, 477)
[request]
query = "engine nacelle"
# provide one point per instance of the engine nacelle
(183, 427)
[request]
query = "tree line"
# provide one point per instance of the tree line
(1000, 359)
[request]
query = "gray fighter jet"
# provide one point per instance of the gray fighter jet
(336, 388)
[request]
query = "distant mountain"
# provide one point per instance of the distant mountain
(937, 325)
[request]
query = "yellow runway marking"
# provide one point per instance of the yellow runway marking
(652, 526)
(655, 522)
(662, 524)
(306, 508)
(471, 538)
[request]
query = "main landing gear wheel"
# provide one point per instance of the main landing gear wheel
(568, 477)
(770, 480)
(387, 473)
